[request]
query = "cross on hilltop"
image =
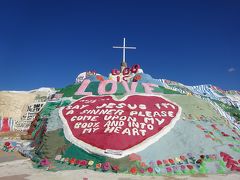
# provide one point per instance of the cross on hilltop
(124, 47)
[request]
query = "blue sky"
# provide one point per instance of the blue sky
(48, 43)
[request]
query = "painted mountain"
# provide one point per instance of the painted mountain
(132, 123)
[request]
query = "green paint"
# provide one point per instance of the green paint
(69, 91)
(75, 152)
(220, 171)
(235, 112)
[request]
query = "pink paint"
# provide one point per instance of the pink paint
(133, 87)
(148, 87)
(102, 87)
(83, 87)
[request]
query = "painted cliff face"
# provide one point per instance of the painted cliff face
(117, 127)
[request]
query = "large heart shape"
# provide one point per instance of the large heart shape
(117, 127)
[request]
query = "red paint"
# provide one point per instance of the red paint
(5, 126)
(133, 170)
(117, 140)
(171, 161)
(230, 162)
(115, 72)
(7, 144)
(126, 73)
(150, 169)
(135, 68)
(159, 162)
(190, 167)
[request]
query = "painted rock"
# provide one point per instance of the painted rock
(115, 127)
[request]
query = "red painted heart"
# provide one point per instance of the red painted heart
(111, 127)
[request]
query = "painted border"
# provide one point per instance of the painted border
(139, 147)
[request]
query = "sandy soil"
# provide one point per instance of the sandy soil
(22, 169)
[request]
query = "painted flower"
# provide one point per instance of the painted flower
(150, 169)
(44, 162)
(183, 167)
(199, 161)
(133, 170)
(83, 163)
(183, 158)
(100, 78)
(115, 168)
(98, 166)
(169, 169)
(226, 158)
(137, 78)
(222, 154)
(106, 166)
(78, 162)
(143, 164)
(90, 163)
(171, 161)
(159, 162)
(58, 157)
(141, 171)
(72, 161)
(157, 170)
(189, 166)
(134, 157)
(166, 162)
(7, 143)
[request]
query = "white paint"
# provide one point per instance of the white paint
(124, 47)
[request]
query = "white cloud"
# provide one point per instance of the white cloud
(231, 69)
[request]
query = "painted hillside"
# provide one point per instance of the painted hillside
(141, 126)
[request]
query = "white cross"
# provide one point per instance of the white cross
(124, 48)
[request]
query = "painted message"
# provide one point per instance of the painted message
(24, 123)
(117, 127)
(148, 87)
